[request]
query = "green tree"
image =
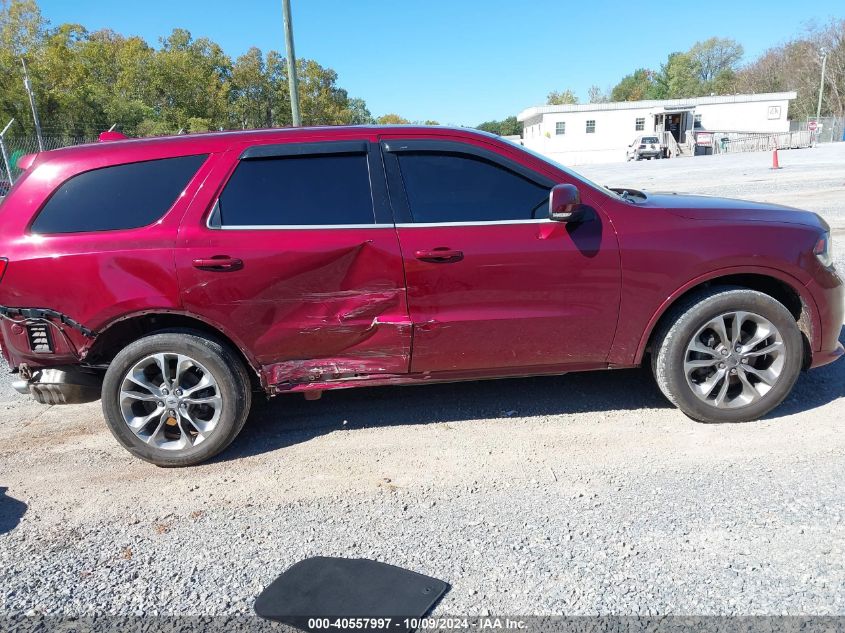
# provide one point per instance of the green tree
(637, 86)
(678, 78)
(714, 57)
(84, 82)
(358, 113)
(22, 27)
(118, 72)
(506, 127)
(22, 32)
(709, 66)
(724, 83)
(277, 79)
(564, 97)
(63, 81)
(391, 119)
(250, 91)
(191, 79)
(321, 101)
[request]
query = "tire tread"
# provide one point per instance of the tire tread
(238, 381)
(665, 344)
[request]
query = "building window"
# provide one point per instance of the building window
(639, 124)
(697, 122)
(591, 126)
(560, 128)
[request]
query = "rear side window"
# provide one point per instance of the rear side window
(446, 187)
(118, 197)
(298, 190)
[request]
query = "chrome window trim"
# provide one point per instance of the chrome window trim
(407, 225)
(288, 227)
(401, 225)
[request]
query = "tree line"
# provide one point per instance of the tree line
(86, 81)
(715, 66)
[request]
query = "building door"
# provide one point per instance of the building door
(673, 125)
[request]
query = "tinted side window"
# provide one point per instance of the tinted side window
(118, 197)
(297, 190)
(445, 187)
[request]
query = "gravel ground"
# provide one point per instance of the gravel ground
(580, 494)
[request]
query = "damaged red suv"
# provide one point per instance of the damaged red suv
(174, 277)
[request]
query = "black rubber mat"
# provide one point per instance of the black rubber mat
(333, 590)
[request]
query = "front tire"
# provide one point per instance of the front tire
(176, 399)
(727, 355)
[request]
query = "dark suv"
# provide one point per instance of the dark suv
(175, 277)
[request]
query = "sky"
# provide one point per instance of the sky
(461, 62)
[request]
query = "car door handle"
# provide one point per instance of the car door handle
(219, 263)
(439, 255)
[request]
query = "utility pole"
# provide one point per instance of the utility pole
(5, 154)
(28, 86)
(293, 83)
(821, 84)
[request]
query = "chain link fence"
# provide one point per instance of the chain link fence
(18, 145)
(828, 129)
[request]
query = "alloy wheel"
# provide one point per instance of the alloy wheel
(170, 401)
(734, 359)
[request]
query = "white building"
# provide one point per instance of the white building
(601, 132)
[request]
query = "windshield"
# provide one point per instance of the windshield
(649, 139)
(572, 173)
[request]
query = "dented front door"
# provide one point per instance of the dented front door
(310, 298)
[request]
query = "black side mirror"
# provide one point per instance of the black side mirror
(564, 203)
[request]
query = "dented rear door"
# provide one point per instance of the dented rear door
(295, 256)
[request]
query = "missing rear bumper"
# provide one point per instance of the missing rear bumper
(28, 314)
(60, 386)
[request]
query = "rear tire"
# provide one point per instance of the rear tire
(714, 373)
(182, 415)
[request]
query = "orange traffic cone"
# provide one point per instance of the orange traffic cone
(775, 164)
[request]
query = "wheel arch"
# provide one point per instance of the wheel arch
(778, 285)
(121, 332)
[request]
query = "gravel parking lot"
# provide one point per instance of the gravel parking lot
(580, 494)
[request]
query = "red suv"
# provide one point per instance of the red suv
(174, 277)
